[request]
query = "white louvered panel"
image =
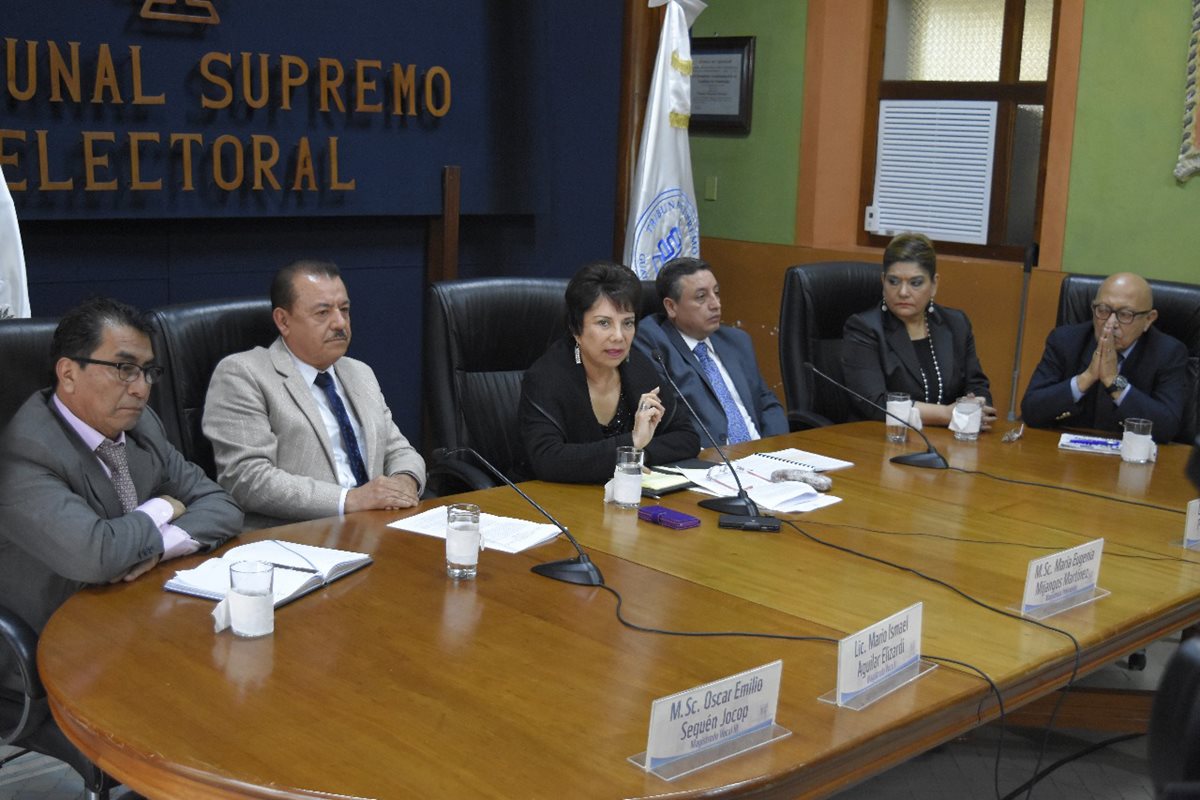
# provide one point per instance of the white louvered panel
(933, 169)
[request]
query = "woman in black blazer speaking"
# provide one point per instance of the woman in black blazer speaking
(591, 393)
(909, 344)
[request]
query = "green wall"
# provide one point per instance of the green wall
(1125, 209)
(756, 174)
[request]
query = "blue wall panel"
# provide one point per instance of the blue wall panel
(533, 126)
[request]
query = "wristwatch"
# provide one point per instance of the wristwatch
(1118, 385)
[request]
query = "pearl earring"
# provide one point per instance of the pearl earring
(930, 306)
(883, 306)
(578, 360)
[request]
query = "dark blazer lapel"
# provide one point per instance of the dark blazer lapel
(688, 356)
(100, 491)
(902, 346)
(141, 468)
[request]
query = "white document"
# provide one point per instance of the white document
(506, 534)
(788, 497)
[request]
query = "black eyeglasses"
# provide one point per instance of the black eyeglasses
(127, 371)
(1124, 316)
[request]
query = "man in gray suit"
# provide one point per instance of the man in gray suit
(299, 430)
(91, 491)
(713, 364)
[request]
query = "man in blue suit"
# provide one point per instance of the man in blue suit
(1097, 374)
(713, 364)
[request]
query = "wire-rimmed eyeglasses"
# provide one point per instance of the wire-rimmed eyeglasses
(127, 371)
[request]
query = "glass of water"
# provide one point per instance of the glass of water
(463, 540)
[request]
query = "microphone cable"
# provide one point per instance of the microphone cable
(995, 690)
(1005, 543)
(1003, 612)
(1083, 492)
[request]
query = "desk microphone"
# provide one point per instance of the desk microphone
(931, 458)
(579, 570)
(729, 507)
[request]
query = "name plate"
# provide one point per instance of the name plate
(1063, 580)
(1191, 530)
(696, 723)
(870, 657)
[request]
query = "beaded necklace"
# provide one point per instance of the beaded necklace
(936, 367)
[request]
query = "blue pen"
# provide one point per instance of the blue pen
(1109, 443)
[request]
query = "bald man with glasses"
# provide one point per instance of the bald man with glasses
(1119, 366)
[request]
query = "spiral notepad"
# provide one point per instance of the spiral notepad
(796, 459)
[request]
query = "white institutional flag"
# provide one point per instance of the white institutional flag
(663, 223)
(14, 293)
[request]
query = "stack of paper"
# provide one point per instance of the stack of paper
(505, 534)
(785, 496)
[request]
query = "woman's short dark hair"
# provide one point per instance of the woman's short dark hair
(81, 329)
(914, 247)
(613, 281)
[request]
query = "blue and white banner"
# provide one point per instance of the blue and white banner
(663, 223)
(14, 290)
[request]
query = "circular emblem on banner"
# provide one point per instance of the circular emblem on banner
(669, 228)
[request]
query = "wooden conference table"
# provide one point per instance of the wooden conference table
(396, 682)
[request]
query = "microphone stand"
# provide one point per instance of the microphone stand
(1031, 261)
(578, 570)
(930, 459)
(740, 505)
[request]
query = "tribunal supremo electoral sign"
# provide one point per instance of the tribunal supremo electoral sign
(153, 107)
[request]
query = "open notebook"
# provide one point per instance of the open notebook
(299, 569)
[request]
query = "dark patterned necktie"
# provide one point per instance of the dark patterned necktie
(349, 441)
(113, 456)
(736, 425)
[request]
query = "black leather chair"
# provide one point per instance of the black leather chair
(25, 354)
(1174, 743)
(25, 720)
(817, 301)
(189, 340)
(1178, 307)
(480, 337)
(650, 302)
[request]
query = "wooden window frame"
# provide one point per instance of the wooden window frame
(1008, 92)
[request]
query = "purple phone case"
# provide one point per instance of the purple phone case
(667, 517)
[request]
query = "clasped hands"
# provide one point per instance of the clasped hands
(1103, 366)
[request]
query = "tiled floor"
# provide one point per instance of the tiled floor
(959, 770)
